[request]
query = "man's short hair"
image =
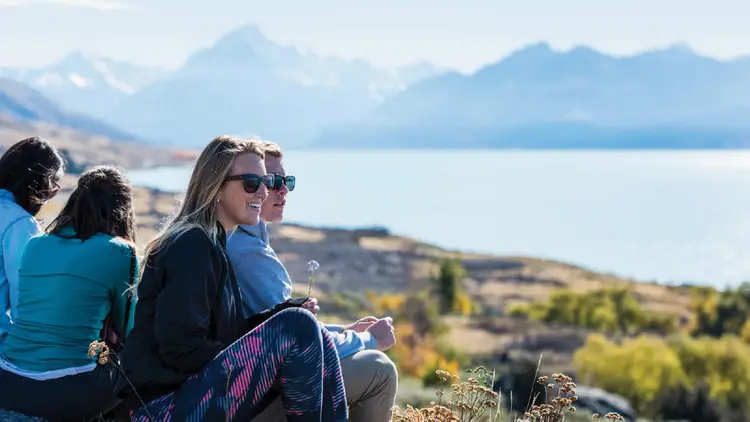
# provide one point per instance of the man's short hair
(271, 148)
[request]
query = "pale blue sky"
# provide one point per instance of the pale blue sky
(462, 35)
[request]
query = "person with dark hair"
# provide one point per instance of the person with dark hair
(29, 174)
(74, 282)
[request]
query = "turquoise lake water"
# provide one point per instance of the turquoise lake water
(665, 216)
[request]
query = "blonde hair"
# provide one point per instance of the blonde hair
(271, 148)
(198, 208)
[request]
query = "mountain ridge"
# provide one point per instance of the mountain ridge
(579, 98)
(535, 97)
(23, 103)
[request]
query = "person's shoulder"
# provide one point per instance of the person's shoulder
(244, 237)
(39, 239)
(10, 210)
(239, 235)
(18, 221)
(116, 244)
(193, 241)
(194, 236)
(245, 231)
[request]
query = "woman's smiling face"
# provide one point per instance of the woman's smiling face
(237, 206)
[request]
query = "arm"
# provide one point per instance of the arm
(348, 342)
(183, 307)
(261, 276)
(335, 328)
(261, 317)
(14, 242)
(122, 293)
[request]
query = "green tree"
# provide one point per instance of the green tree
(447, 284)
(717, 313)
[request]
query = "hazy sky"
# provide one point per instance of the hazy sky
(385, 32)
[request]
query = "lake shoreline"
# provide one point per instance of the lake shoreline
(675, 218)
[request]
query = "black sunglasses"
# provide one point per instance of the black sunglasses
(289, 181)
(251, 182)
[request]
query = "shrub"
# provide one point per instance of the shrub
(717, 313)
(613, 310)
(645, 368)
(690, 405)
(638, 369)
(448, 286)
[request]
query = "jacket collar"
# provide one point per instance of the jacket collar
(259, 230)
(6, 195)
(221, 235)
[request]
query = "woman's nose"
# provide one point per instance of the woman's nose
(262, 191)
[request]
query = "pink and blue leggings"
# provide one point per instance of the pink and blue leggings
(290, 353)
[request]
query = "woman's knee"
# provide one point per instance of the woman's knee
(297, 319)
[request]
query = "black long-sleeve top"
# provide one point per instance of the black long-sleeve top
(189, 309)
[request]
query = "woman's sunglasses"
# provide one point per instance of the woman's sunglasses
(251, 182)
(278, 180)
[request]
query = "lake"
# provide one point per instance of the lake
(651, 215)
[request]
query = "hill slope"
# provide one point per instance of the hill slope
(23, 103)
(85, 149)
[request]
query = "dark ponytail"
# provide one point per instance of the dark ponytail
(101, 203)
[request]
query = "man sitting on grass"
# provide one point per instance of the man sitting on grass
(370, 377)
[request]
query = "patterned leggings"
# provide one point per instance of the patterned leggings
(290, 350)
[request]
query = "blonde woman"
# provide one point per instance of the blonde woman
(191, 354)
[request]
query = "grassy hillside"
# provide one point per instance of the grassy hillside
(353, 262)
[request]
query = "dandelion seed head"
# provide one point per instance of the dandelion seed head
(312, 266)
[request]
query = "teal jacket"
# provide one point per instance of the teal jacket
(66, 288)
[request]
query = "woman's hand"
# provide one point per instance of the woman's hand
(362, 324)
(312, 306)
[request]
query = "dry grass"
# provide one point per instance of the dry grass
(474, 400)
(302, 234)
(475, 340)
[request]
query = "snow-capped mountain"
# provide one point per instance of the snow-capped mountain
(243, 83)
(21, 103)
(85, 83)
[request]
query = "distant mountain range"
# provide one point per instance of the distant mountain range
(85, 83)
(242, 84)
(25, 104)
(535, 98)
(541, 98)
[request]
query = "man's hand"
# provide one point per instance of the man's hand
(312, 306)
(382, 332)
(362, 324)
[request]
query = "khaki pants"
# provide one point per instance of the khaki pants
(371, 383)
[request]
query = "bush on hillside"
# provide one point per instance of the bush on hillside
(717, 313)
(448, 286)
(638, 369)
(613, 310)
(642, 368)
(683, 403)
(419, 349)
